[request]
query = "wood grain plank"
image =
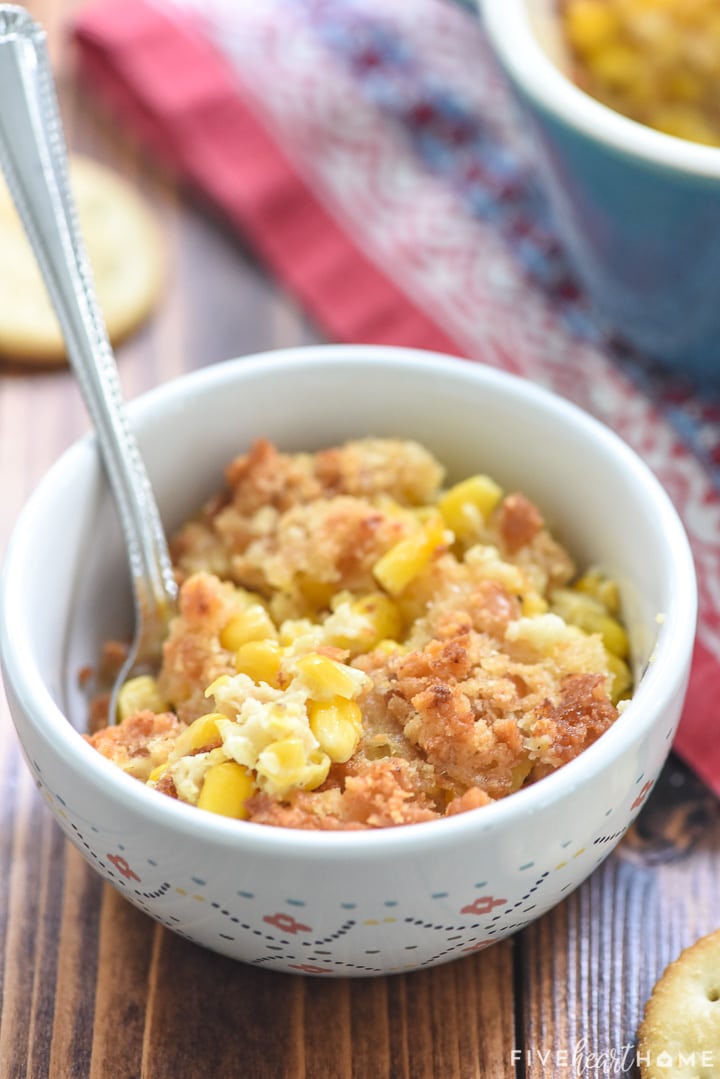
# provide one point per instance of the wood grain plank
(77, 958)
(213, 1016)
(378, 1049)
(451, 1022)
(123, 988)
(50, 858)
(20, 944)
(327, 1032)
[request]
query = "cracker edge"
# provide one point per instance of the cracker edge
(645, 1049)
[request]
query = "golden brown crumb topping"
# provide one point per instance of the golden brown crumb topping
(358, 646)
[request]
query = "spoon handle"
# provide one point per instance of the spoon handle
(34, 159)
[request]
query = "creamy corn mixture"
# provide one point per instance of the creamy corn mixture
(656, 61)
(360, 645)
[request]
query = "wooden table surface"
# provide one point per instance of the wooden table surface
(90, 986)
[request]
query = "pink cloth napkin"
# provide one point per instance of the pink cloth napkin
(368, 150)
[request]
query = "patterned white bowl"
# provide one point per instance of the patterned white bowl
(345, 903)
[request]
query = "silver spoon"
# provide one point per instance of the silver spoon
(33, 157)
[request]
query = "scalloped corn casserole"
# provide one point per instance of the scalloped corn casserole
(359, 645)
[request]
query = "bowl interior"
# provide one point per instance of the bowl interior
(67, 583)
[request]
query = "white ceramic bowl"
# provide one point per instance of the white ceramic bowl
(357, 903)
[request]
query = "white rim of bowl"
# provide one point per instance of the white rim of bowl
(509, 27)
(642, 711)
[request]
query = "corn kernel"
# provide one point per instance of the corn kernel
(285, 764)
(225, 790)
(467, 505)
(402, 563)
(591, 617)
(260, 660)
(614, 636)
(139, 694)
(358, 624)
(590, 24)
(251, 624)
(621, 677)
(202, 732)
(382, 613)
(317, 593)
(389, 647)
(325, 678)
(245, 598)
(519, 773)
(616, 66)
(684, 86)
(601, 588)
(157, 772)
(337, 725)
(534, 603)
(289, 754)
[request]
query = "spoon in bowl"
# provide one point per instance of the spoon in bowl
(33, 157)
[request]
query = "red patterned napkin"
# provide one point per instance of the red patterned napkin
(368, 150)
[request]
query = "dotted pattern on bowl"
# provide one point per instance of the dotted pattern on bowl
(282, 933)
